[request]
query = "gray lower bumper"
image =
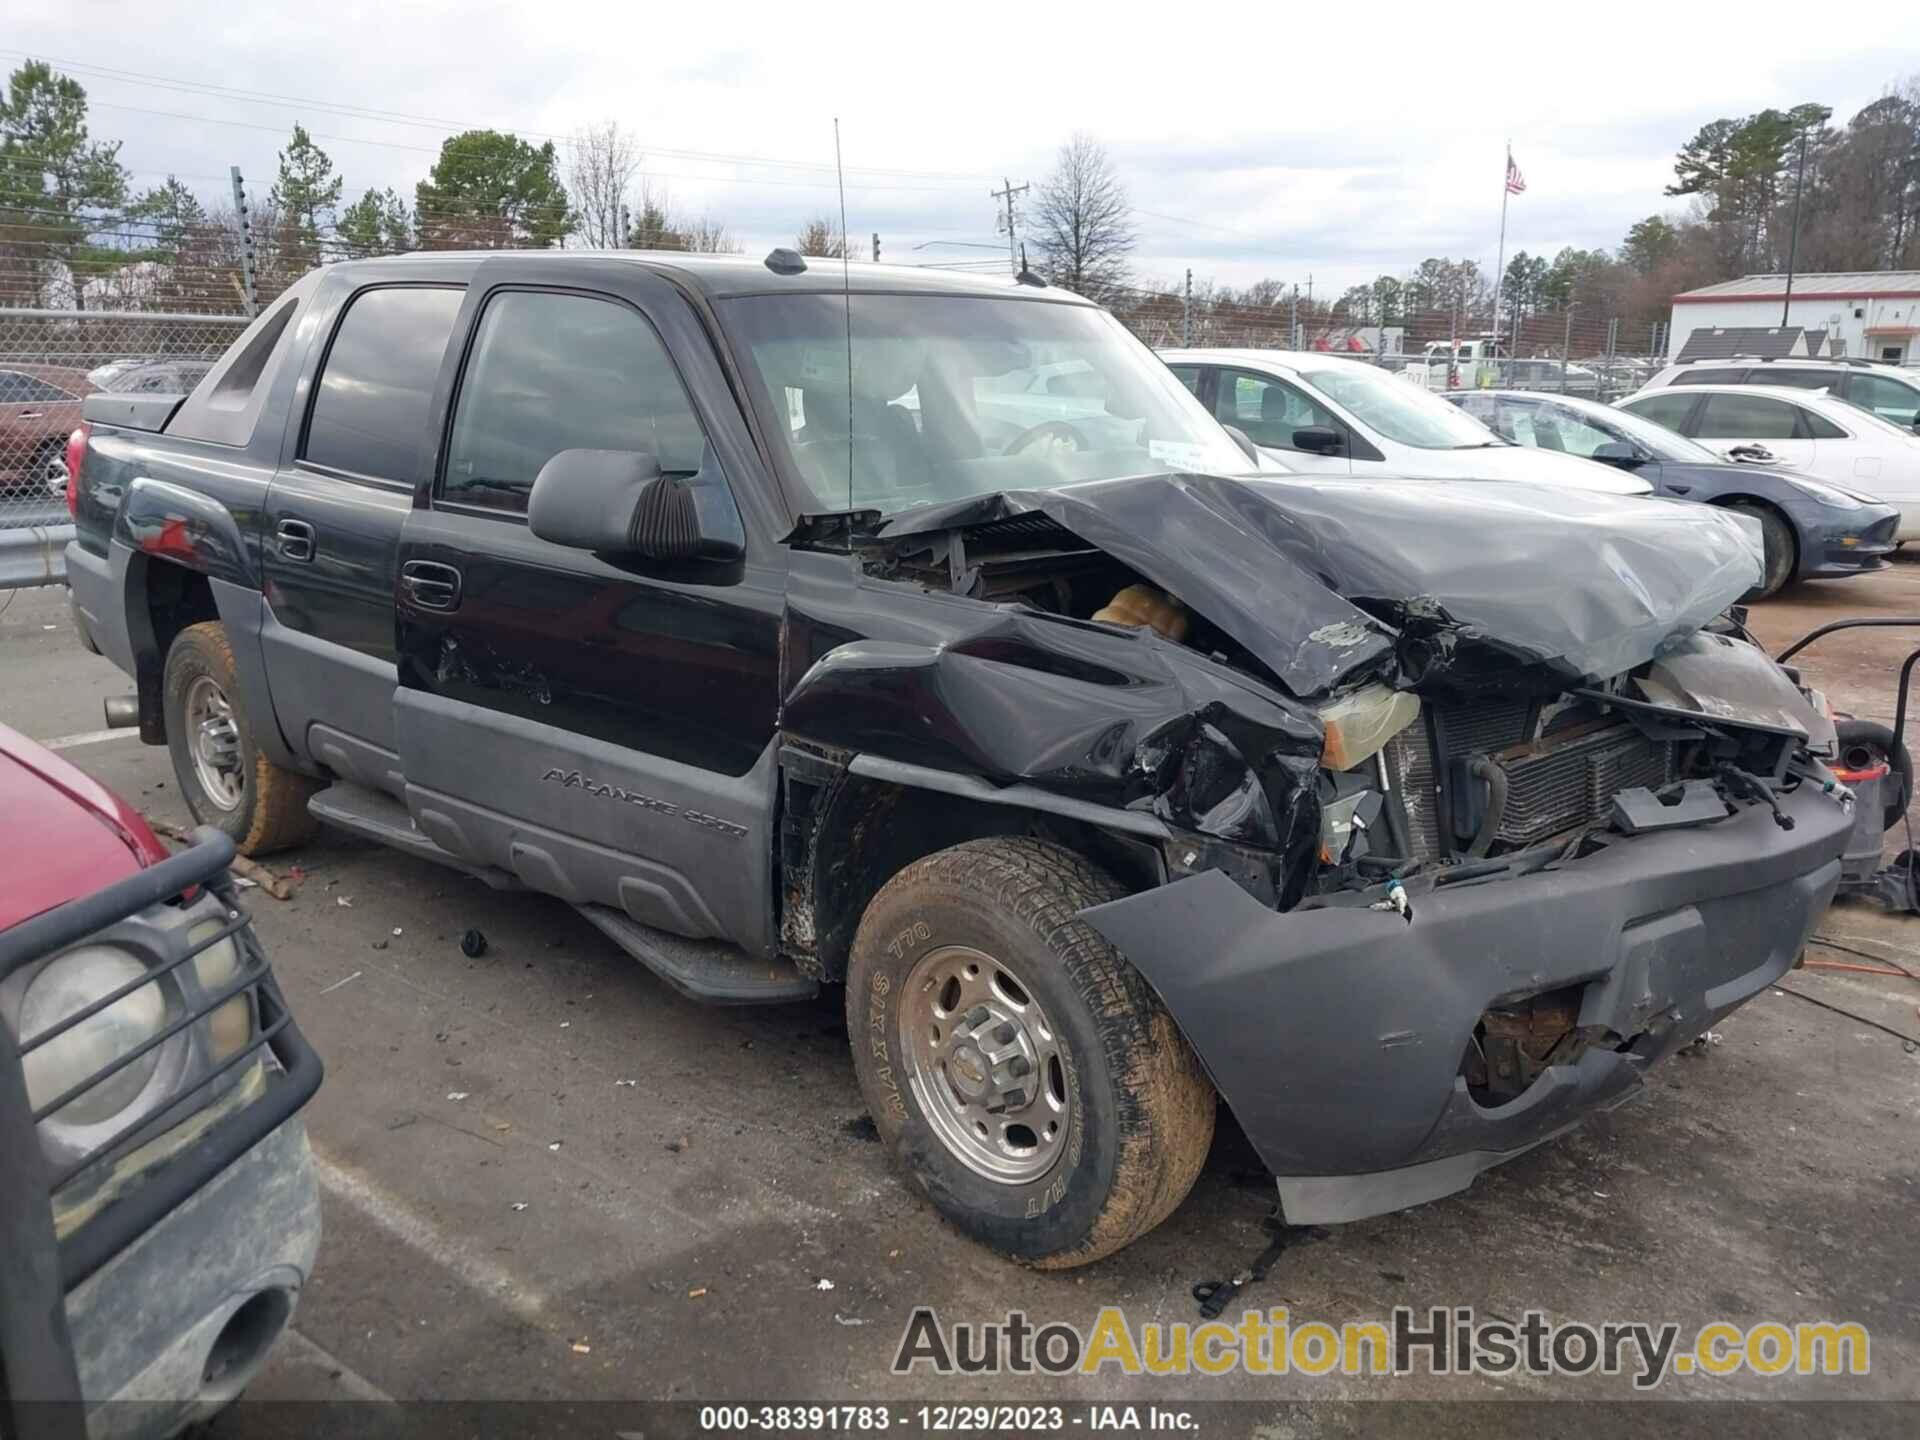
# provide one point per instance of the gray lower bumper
(155, 1333)
(1337, 1034)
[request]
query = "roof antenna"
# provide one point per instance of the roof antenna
(846, 299)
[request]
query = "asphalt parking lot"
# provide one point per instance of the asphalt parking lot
(547, 1176)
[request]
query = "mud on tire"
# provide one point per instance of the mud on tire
(1136, 1109)
(270, 812)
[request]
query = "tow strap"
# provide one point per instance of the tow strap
(1215, 1295)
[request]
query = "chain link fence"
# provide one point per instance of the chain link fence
(50, 361)
(1579, 351)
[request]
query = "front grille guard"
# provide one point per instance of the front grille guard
(29, 1181)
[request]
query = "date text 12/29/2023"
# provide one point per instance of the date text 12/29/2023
(946, 1419)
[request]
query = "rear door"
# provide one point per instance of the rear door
(353, 454)
(1730, 419)
(601, 727)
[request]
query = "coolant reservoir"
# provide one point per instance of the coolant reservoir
(1360, 722)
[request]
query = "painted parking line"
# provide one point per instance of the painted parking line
(90, 737)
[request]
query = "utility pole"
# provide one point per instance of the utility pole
(876, 247)
(1186, 311)
(1007, 194)
(249, 294)
(1566, 347)
(1793, 239)
(1293, 320)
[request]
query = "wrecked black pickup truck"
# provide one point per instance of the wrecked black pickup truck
(805, 624)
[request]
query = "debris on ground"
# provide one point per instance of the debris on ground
(397, 930)
(517, 1206)
(630, 1084)
(581, 1347)
(458, 1095)
(473, 944)
(554, 1146)
(245, 871)
(244, 883)
(338, 983)
(823, 1283)
(680, 1145)
(343, 902)
(379, 944)
(696, 1292)
(840, 1319)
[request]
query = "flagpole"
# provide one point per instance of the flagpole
(1500, 265)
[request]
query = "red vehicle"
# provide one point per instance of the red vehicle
(39, 406)
(147, 1060)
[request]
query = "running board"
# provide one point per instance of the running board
(710, 971)
(378, 816)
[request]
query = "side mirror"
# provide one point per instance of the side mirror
(616, 502)
(1618, 453)
(1319, 440)
(1245, 442)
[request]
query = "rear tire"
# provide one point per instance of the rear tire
(1090, 1117)
(1782, 553)
(227, 782)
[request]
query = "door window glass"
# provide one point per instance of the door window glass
(370, 409)
(562, 372)
(1888, 398)
(1668, 410)
(1818, 427)
(1748, 417)
(1187, 375)
(1268, 410)
(18, 389)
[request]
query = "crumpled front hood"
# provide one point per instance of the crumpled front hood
(1327, 581)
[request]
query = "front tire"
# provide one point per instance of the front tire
(1023, 1072)
(227, 782)
(1781, 551)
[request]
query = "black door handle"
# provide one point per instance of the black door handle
(431, 585)
(296, 539)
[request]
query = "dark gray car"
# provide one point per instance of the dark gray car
(1813, 528)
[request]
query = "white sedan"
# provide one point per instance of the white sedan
(1326, 415)
(1807, 431)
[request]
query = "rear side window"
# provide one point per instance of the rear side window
(1821, 428)
(1748, 417)
(1709, 377)
(1888, 398)
(370, 407)
(1668, 410)
(556, 372)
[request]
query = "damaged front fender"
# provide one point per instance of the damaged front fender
(1124, 719)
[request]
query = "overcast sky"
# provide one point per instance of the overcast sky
(1337, 141)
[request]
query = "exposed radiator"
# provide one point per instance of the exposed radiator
(1555, 784)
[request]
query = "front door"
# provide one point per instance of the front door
(1270, 411)
(350, 461)
(599, 726)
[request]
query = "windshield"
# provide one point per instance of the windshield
(953, 397)
(1662, 442)
(1398, 410)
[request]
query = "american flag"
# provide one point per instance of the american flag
(1516, 182)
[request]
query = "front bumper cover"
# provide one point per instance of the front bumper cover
(1337, 1033)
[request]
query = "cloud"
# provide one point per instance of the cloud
(1338, 142)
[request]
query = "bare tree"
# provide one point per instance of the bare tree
(821, 237)
(599, 175)
(1082, 224)
(710, 237)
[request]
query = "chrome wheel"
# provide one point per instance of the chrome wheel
(213, 740)
(53, 471)
(985, 1064)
